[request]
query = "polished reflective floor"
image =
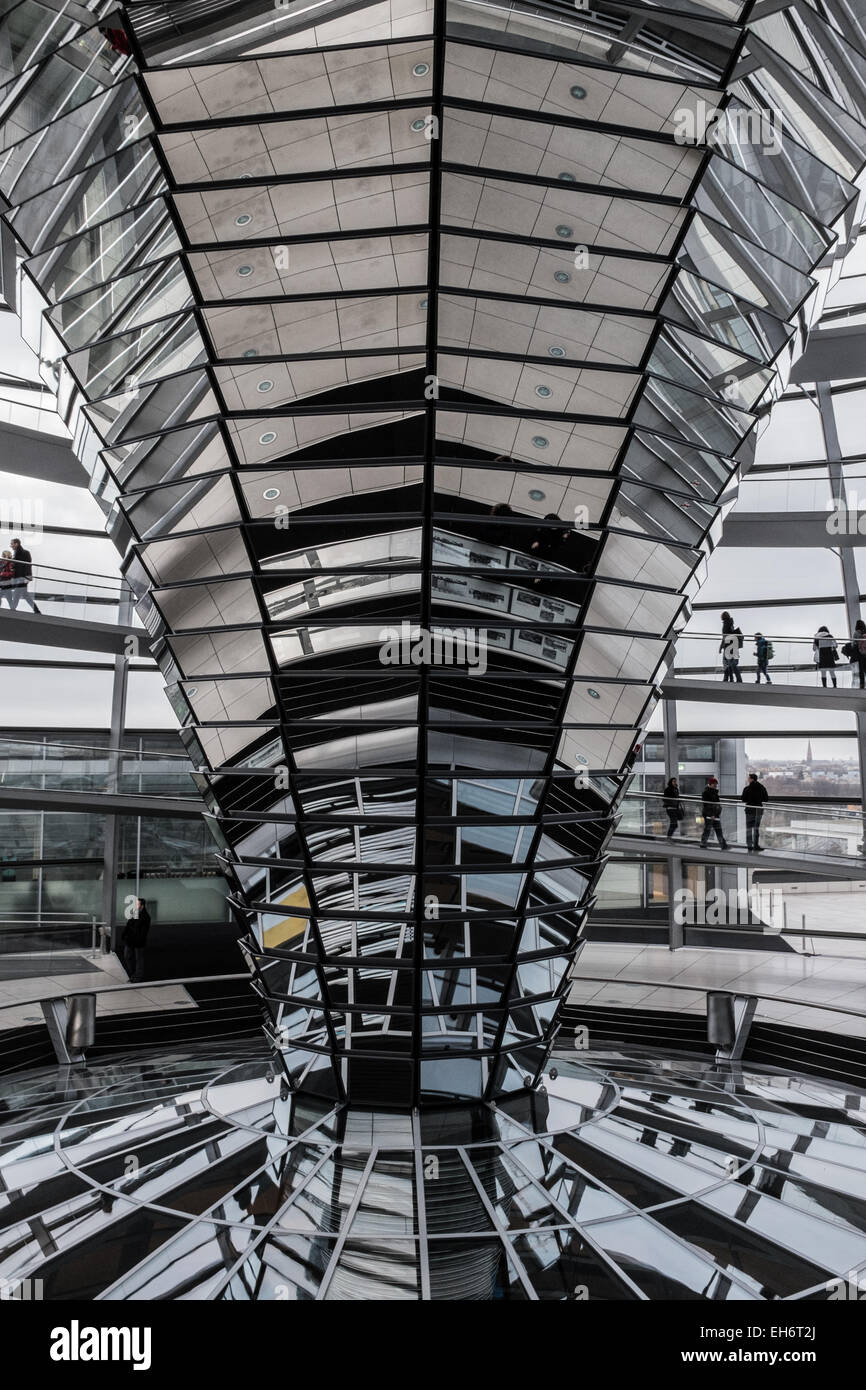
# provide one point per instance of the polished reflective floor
(190, 1176)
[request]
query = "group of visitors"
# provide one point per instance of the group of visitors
(731, 645)
(754, 795)
(825, 653)
(16, 571)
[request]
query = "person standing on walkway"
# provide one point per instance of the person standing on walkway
(732, 641)
(673, 806)
(825, 654)
(22, 565)
(712, 804)
(755, 795)
(858, 642)
(134, 941)
(764, 653)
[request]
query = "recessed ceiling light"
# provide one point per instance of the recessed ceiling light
(242, 219)
(192, 690)
(536, 494)
(421, 69)
(582, 759)
(564, 231)
(556, 350)
(543, 391)
(251, 352)
(566, 177)
(594, 693)
(578, 93)
(418, 125)
(264, 386)
(245, 270)
(539, 441)
(422, 303)
(270, 493)
(561, 277)
(268, 437)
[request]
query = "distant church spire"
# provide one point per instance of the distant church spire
(809, 751)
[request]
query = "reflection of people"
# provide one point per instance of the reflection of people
(134, 941)
(116, 39)
(754, 794)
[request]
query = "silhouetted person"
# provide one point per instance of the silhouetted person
(134, 941)
(755, 795)
(858, 642)
(712, 804)
(825, 654)
(732, 641)
(673, 805)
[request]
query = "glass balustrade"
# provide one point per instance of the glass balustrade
(790, 827)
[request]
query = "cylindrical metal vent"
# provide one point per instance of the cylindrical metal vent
(720, 1019)
(80, 1022)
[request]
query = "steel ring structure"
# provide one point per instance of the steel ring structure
(411, 348)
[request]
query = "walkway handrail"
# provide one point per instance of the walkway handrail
(711, 989)
(826, 812)
(130, 985)
(90, 748)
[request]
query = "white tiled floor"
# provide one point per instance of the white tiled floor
(802, 979)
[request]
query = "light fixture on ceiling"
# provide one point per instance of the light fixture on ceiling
(539, 441)
(251, 352)
(543, 391)
(556, 351)
(418, 125)
(268, 437)
(564, 231)
(536, 494)
(421, 69)
(578, 93)
(566, 177)
(270, 493)
(245, 270)
(561, 277)
(242, 219)
(264, 386)
(422, 303)
(594, 693)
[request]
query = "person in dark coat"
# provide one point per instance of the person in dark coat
(134, 941)
(858, 642)
(673, 805)
(22, 568)
(754, 794)
(764, 652)
(712, 805)
(732, 641)
(826, 654)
